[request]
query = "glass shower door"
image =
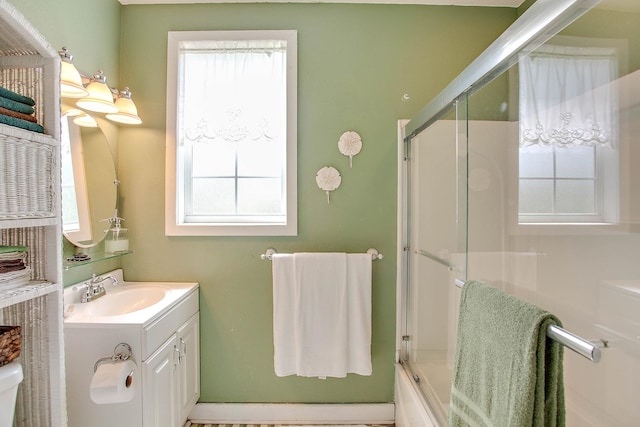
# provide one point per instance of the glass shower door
(437, 230)
(554, 200)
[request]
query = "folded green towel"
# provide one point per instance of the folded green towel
(23, 124)
(6, 93)
(16, 106)
(506, 371)
(14, 248)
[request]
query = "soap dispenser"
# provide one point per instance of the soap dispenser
(117, 239)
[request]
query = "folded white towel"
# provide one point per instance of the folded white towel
(322, 314)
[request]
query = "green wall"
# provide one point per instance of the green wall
(355, 63)
(90, 29)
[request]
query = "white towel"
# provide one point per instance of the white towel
(359, 312)
(284, 297)
(322, 314)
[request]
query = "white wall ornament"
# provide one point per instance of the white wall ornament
(328, 179)
(350, 144)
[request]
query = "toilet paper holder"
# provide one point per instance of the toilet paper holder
(121, 352)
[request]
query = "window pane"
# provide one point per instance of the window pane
(575, 196)
(259, 196)
(536, 196)
(213, 159)
(536, 162)
(214, 196)
(260, 159)
(575, 162)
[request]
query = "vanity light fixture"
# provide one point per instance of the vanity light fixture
(96, 97)
(127, 111)
(100, 98)
(70, 80)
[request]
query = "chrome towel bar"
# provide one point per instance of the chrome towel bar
(585, 348)
(371, 251)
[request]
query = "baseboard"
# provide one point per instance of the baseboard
(286, 413)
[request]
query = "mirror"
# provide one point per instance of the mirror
(89, 184)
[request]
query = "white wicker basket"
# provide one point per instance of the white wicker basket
(26, 175)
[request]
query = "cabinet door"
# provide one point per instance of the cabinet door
(188, 337)
(160, 387)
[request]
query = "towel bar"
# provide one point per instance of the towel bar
(371, 251)
(585, 348)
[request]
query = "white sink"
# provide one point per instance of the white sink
(125, 302)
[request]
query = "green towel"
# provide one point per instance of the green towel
(506, 371)
(15, 248)
(10, 104)
(23, 124)
(6, 93)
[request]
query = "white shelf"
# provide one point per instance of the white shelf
(16, 132)
(26, 292)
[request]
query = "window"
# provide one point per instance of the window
(568, 135)
(231, 133)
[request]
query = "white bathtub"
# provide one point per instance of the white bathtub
(412, 409)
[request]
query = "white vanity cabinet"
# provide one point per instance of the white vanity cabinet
(164, 339)
(171, 377)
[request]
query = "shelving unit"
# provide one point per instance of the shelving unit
(30, 216)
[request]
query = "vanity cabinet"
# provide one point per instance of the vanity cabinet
(164, 342)
(172, 378)
(30, 216)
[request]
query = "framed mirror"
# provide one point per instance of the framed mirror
(89, 184)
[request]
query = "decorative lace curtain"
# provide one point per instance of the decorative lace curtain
(230, 88)
(566, 97)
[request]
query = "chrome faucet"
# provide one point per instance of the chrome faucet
(95, 289)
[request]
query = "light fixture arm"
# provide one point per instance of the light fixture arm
(65, 55)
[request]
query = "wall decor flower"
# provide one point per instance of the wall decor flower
(350, 144)
(328, 179)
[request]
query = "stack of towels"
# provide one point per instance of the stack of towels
(14, 270)
(322, 314)
(18, 110)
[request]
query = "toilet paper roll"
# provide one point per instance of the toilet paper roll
(114, 382)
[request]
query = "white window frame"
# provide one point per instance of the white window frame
(174, 224)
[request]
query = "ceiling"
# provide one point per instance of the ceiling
(503, 3)
(622, 5)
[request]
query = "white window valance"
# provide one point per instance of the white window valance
(566, 98)
(231, 90)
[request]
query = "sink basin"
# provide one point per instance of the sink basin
(125, 303)
(127, 300)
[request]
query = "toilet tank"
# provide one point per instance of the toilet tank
(10, 376)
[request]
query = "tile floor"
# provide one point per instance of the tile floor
(279, 425)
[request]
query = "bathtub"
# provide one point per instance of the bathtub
(412, 409)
